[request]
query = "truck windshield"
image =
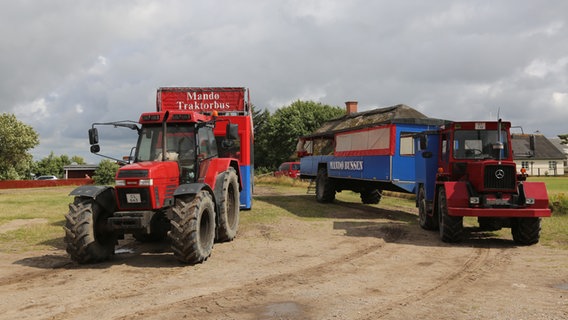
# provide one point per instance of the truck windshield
(479, 144)
(180, 143)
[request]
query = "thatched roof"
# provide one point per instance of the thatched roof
(396, 114)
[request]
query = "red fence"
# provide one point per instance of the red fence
(17, 184)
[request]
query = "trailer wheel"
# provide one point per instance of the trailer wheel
(229, 207)
(325, 189)
(87, 235)
(451, 228)
(427, 220)
(370, 196)
(526, 231)
(193, 228)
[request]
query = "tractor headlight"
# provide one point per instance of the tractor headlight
(529, 201)
(146, 182)
(473, 200)
(120, 183)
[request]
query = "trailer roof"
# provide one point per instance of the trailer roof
(396, 114)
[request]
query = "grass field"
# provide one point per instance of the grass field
(47, 206)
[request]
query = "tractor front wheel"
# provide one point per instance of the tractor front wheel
(193, 228)
(87, 235)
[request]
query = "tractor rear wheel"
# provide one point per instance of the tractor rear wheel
(87, 235)
(193, 228)
(325, 189)
(451, 228)
(526, 231)
(229, 206)
(426, 219)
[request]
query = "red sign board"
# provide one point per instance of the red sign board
(201, 99)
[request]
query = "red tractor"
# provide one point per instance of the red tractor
(467, 169)
(175, 185)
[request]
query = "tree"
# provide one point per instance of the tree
(563, 138)
(54, 165)
(106, 172)
(16, 138)
(277, 135)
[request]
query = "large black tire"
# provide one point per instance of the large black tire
(451, 228)
(370, 196)
(426, 218)
(229, 207)
(325, 189)
(525, 231)
(87, 235)
(193, 228)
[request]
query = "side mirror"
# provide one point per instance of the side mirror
(93, 136)
(232, 131)
(95, 148)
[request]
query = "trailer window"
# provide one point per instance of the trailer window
(407, 144)
(368, 141)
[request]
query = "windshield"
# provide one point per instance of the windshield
(479, 144)
(180, 143)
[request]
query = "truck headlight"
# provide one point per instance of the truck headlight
(120, 182)
(473, 200)
(529, 201)
(146, 182)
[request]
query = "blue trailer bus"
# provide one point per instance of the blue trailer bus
(365, 152)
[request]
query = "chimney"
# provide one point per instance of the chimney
(351, 107)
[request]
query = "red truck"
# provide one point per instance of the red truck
(466, 169)
(190, 174)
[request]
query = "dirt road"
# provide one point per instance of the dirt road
(359, 262)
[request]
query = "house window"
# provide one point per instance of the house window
(525, 164)
(551, 165)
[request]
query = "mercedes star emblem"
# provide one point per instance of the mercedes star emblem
(499, 174)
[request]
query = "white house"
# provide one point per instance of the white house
(538, 155)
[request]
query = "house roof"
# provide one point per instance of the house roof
(543, 148)
(358, 120)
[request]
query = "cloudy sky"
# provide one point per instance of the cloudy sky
(65, 64)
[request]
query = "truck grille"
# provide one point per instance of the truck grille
(144, 198)
(498, 177)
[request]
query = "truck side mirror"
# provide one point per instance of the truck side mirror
(95, 148)
(93, 136)
(232, 131)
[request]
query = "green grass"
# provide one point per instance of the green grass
(289, 199)
(50, 204)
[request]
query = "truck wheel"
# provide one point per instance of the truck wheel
(426, 219)
(526, 231)
(229, 206)
(325, 190)
(87, 235)
(370, 196)
(451, 228)
(193, 228)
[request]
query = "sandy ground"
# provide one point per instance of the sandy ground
(360, 262)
